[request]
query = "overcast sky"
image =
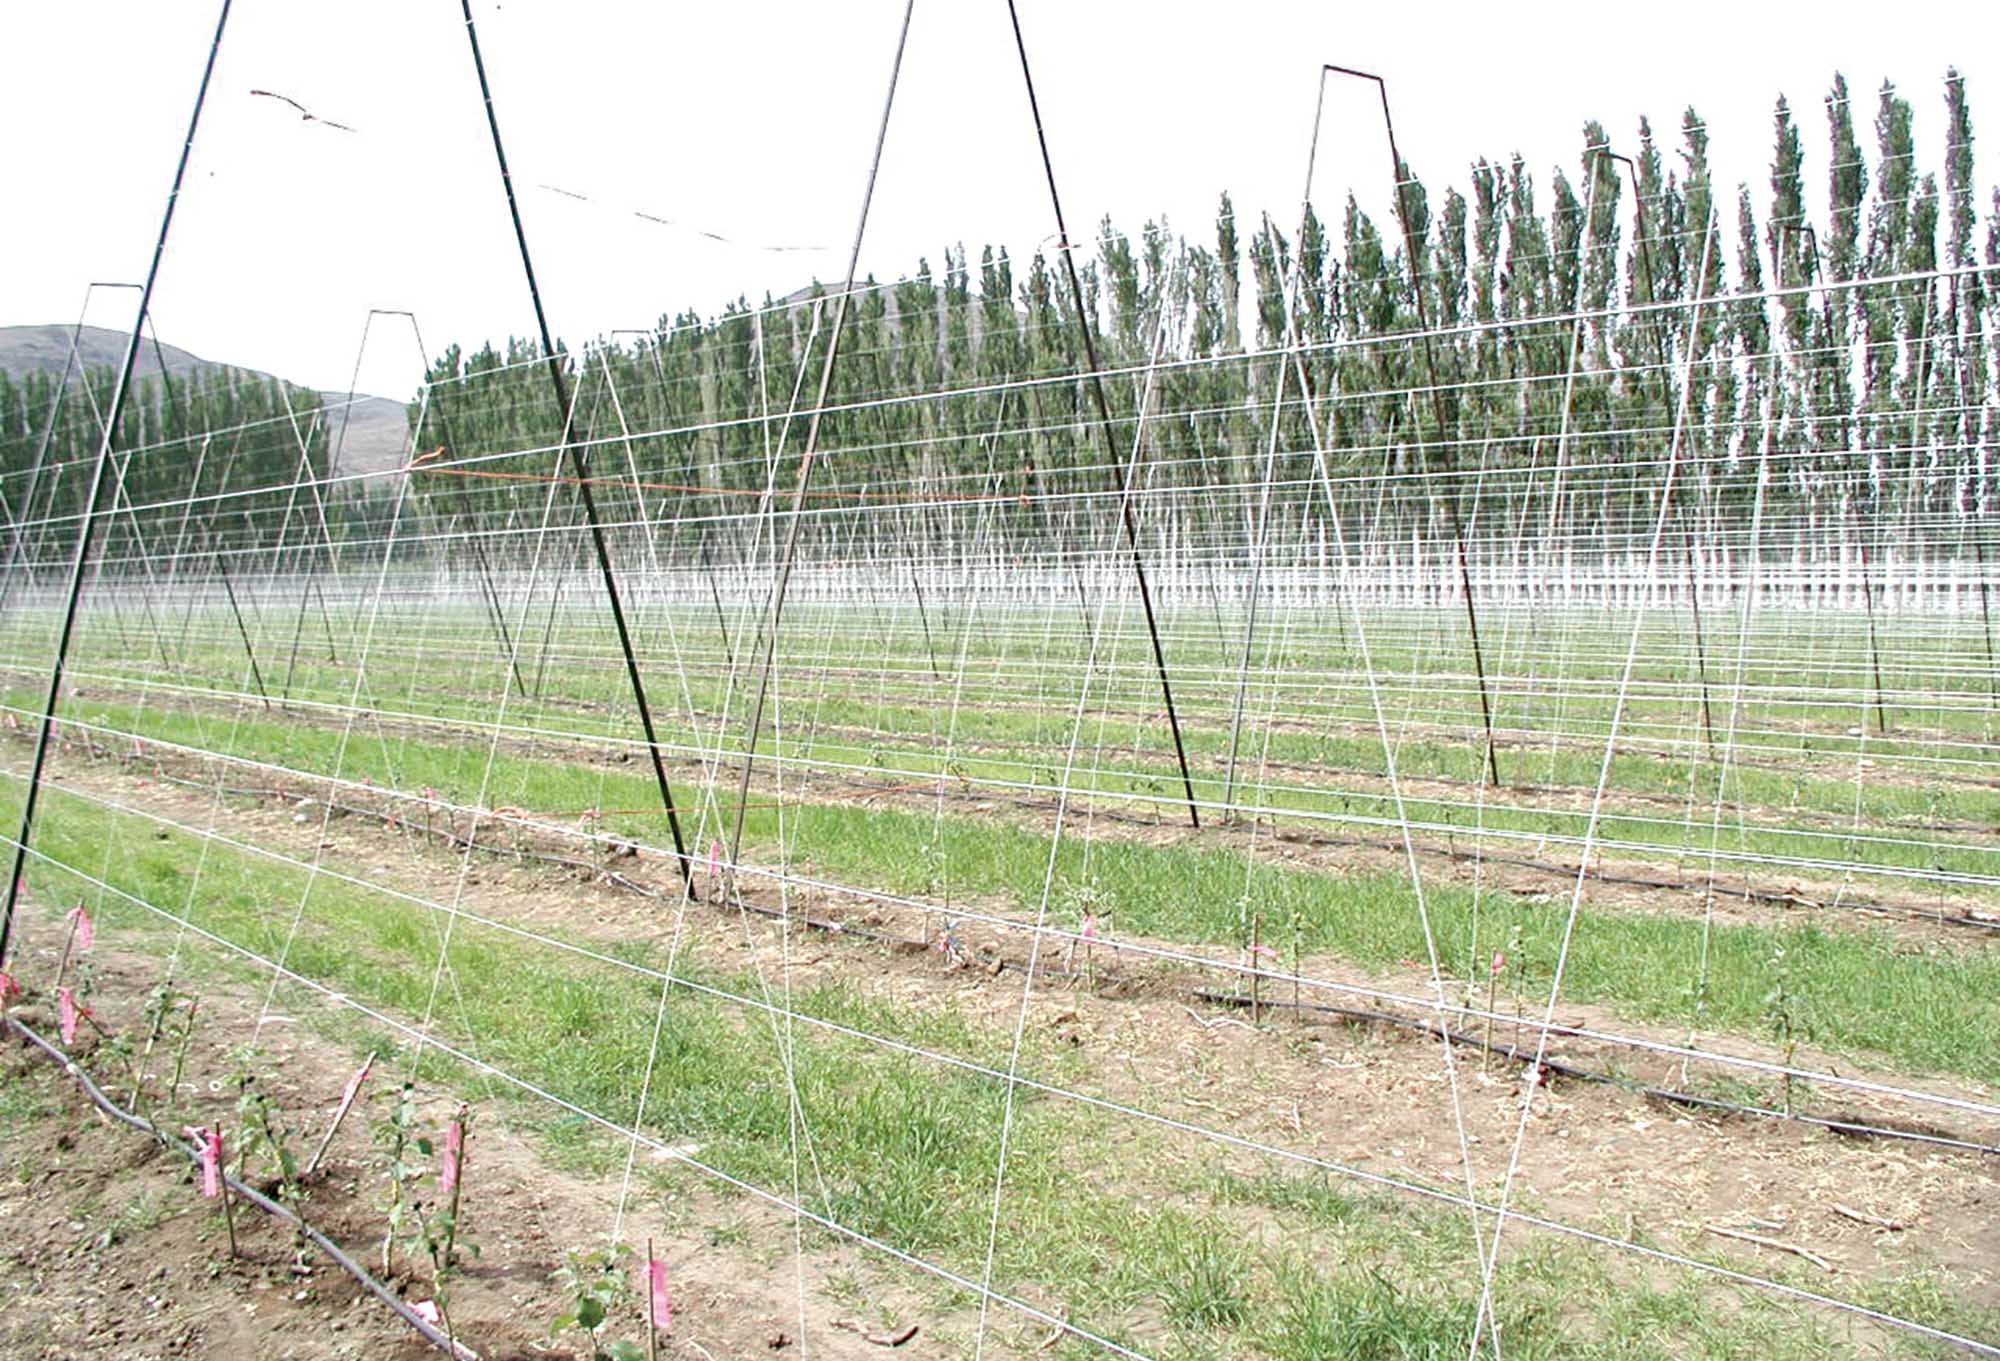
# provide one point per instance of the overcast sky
(754, 120)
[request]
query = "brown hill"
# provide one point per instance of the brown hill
(370, 435)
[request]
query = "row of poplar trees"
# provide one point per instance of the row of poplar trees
(211, 456)
(1511, 354)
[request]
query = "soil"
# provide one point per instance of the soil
(106, 1249)
(1940, 917)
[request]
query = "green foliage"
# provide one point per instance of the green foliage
(262, 1127)
(932, 362)
(598, 1285)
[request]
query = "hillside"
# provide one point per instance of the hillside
(376, 430)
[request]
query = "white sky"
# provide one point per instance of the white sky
(755, 120)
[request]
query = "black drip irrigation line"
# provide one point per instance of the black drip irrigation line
(1099, 979)
(1120, 484)
(249, 1193)
(573, 442)
(1561, 1068)
(1765, 897)
(1754, 895)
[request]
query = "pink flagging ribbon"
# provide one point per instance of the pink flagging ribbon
(353, 1086)
(86, 934)
(9, 989)
(211, 1158)
(454, 1154)
(69, 1013)
(656, 1292)
(1089, 931)
(1499, 963)
(714, 859)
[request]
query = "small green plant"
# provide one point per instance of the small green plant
(1085, 898)
(1092, 908)
(116, 1046)
(263, 1124)
(426, 1230)
(1784, 1013)
(437, 1234)
(1297, 923)
(166, 1008)
(396, 1136)
(1493, 973)
(1517, 975)
(597, 1286)
(185, 1038)
(936, 863)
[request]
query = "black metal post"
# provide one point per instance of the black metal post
(256, 674)
(80, 557)
(572, 444)
(808, 457)
(1116, 465)
(1666, 388)
(1437, 417)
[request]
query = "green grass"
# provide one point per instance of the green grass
(1858, 992)
(879, 696)
(1283, 1264)
(1144, 1244)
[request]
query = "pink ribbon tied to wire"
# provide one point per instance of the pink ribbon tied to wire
(210, 1140)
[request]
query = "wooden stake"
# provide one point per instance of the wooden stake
(180, 1053)
(222, 1185)
(62, 964)
(1775, 1244)
(1256, 964)
(652, 1325)
(346, 1104)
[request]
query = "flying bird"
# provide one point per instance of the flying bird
(305, 115)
